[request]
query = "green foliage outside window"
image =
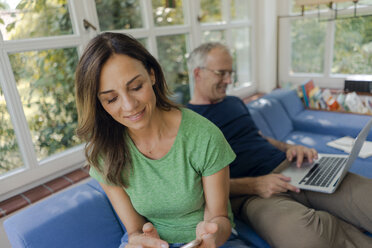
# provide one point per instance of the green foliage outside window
(210, 11)
(353, 46)
(167, 12)
(40, 18)
(308, 42)
(118, 14)
(10, 158)
(45, 82)
(173, 61)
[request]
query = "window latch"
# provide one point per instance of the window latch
(88, 25)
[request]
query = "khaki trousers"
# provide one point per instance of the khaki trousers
(311, 219)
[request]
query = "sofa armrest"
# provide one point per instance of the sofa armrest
(78, 217)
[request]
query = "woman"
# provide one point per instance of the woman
(164, 168)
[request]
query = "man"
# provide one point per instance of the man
(282, 214)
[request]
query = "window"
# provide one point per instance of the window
(40, 45)
(230, 22)
(353, 46)
(307, 43)
(327, 49)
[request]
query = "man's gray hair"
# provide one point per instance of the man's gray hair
(198, 56)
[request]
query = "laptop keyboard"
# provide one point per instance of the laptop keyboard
(324, 171)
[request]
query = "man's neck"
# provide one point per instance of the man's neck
(201, 101)
(198, 99)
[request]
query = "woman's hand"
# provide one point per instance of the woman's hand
(206, 231)
(148, 238)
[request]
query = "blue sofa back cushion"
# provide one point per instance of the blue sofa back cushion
(289, 100)
(274, 115)
(260, 122)
(67, 219)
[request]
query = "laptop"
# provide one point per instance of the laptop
(326, 173)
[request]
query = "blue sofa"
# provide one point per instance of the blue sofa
(79, 217)
(282, 116)
(82, 216)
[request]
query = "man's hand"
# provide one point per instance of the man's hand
(271, 184)
(148, 238)
(300, 152)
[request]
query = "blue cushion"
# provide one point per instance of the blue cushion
(95, 185)
(362, 167)
(274, 115)
(247, 234)
(289, 100)
(260, 122)
(312, 140)
(78, 217)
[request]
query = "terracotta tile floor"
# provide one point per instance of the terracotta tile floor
(26, 198)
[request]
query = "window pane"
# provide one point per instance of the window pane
(308, 41)
(31, 19)
(10, 157)
(240, 10)
(353, 46)
(172, 51)
(143, 41)
(210, 11)
(45, 82)
(364, 2)
(241, 54)
(214, 36)
(167, 12)
(118, 14)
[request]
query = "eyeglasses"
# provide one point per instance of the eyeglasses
(224, 74)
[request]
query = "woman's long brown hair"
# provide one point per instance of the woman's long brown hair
(106, 139)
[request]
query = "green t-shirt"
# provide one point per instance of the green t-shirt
(169, 191)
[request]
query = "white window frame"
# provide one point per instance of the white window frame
(323, 80)
(34, 172)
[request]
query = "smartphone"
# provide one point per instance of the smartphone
(192, 244)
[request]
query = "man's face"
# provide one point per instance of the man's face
(211, 81)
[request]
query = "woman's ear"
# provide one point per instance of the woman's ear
(152, 76)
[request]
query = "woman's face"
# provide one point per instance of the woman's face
(126, 93)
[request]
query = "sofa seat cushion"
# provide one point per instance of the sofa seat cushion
(312, 140)
(78, 217)
(331, 123)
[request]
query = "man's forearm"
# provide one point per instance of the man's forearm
(278, 144)
(243, 186)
